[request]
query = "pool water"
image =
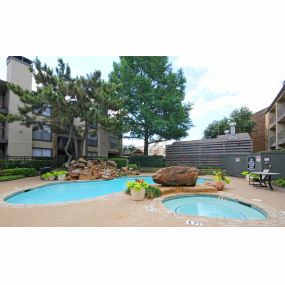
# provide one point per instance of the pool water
(73, 191)
(213, 207)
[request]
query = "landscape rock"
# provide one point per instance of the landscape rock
(111, 163)
(82, 160)
(92, 169)
(176, 176)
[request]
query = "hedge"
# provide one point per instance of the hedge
(33, 163)
(11, 177)
(25, 172)
(148, 161)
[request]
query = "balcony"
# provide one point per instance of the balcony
(272, 118)
(272, 140)
(281, 113)
(3, 134)
(281, 136)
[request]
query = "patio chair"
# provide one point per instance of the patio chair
(253, 179)
(262, 183)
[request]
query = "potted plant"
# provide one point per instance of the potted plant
(221, 180)
(61, 175)
(246, 174)
(137, 189)
(48, 176)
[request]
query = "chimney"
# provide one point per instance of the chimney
(283, 83)
(233, 128)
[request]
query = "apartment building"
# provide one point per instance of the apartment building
(18, 140)
(259, 134)
(275, 121)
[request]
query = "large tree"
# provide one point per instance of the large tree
(75, 103)
(242, 117)
(153, 97)
(216, 128)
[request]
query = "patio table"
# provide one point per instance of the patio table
(267, 175)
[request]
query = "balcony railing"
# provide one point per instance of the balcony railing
(272, 119)
(281, 111)
(281, 135)
(3, 133)
(272, 140)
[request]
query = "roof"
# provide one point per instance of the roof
(276, 98)
(20, 58)
(221, 138)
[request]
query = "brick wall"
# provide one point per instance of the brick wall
(259, 134)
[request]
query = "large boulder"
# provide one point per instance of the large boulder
(176, 176)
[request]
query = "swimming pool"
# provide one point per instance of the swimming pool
(74, 191)
(213, 207)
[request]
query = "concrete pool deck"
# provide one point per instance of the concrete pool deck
(118, 209)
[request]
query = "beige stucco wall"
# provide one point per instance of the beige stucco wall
(19, 136)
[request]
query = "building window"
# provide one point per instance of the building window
(93, 126)
(46, 112)
(2, 101)
(92, 140)
(114, 142)
(42, 152)
(42, 134)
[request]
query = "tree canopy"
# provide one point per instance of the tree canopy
(153, 97)
(75, 103)
(242, 117)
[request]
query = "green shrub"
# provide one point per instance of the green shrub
(132, 166)
(121, 162)
(281, 182)
(148, 161)
(47, 175)
(26, 172)
(10, 177)
(152, 192)
(33, 163)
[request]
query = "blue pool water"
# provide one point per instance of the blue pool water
(73, 191)
(212, 206)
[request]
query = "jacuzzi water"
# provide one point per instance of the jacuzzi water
(213, 207)
(73, 191)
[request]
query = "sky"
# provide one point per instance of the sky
(231, 52)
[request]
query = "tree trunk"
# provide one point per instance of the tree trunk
(83, 142)
(66, 148)
(145, 151)
(75, 145)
